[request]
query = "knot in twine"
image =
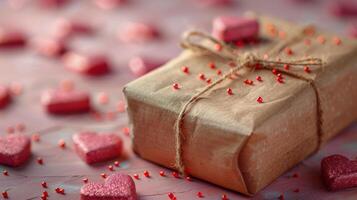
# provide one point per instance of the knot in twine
(240, 61)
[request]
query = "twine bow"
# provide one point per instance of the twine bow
(240, 61)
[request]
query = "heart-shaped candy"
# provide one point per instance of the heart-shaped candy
(62, 101)
(91, 65)
(339, 172)
(5, 96)
(97, 147)
(15, 149)
(116, 187)
(11, 38)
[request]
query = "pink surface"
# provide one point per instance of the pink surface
(62, 167)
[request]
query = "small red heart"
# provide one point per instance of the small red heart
(339, 172)
(61, 101)
(93, 147)
(92, 65)
(15, 149)
(5, 96)
(11, 38)
(51, 47)
(116, 187)
(142, 65)
(137, 32)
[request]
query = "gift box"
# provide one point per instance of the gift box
(241, 121)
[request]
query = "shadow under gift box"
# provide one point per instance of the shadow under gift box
(232, 140)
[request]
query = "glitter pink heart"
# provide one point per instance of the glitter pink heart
(116, 187)
(93, 147)
(15, 150)
(339, 172)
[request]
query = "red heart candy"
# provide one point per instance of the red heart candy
(15, 149)
(142, 65)
(11, 38)
(230, 28)
(61, 101)
(116, 187)
(339, 172)
(65, 28)
(5, 96)
(93, 147)
(93, 65)
(136, 32)
(51, 47)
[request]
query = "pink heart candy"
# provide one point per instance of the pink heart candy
(116, 187)
(230, 28)
(142, 65)
(51, 47)
(93, 147)
(15, 149)
(92, 65)
(339, 172)
(5, 96)
(138, 32)
(11, 38)
(61, 101)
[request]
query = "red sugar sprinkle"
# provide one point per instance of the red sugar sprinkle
(176, 86)
(336, 40)
(286, 67)
(212, 65)
(200, 195)
(116, 163)
(280, 75)
(5, 195)
(219, 72)
(258, 66)
(60, 191)
(103, 98)
(248, 82)
(126, 131)
(111, 168)
(188, 178)
(281, 197)
(5, 173)
(175, 174)
(40, 160)
(259, 78)
(306, 69)
(224, 197)
(146, 174)
(171, 195)
(321, 39)
(288, 51)
(136, 176)
(85, 180)
(185, 69)
(218, 47)
(229, 91)
(62, 143)
(209, 81)
(201, 76)
(45, 194)
(260, 100)
(274, 71)
(279, 80)
(162, 173)
(296, 190)
(103, 175)
(44, 184)
(35, 137)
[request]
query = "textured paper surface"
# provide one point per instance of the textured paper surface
(233, 141)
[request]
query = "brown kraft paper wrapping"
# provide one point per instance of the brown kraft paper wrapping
(232, 140)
